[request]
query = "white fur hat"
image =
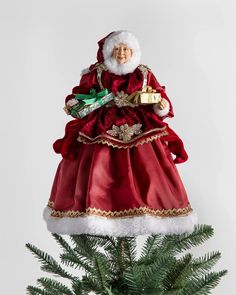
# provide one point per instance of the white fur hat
(114, 39)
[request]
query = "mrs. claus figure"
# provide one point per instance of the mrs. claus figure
(117, 176)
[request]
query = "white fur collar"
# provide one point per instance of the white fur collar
(122, 69)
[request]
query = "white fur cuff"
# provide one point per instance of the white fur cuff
(72, 102)
(165, 111)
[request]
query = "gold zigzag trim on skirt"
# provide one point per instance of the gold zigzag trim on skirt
(109, 140)
(123, 213)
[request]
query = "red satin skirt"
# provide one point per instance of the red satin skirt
(112, 182)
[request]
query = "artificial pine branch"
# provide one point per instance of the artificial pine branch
(36, 291)
(101, 270)
(156, 272)
(54, 286)
(69, 256)
(64, 245)
(150, 245)
(89, 283)
(203, 264)
(175, 244)
(129, 250)
(49, 264)
(111, 266)
(178, 271)
(203, 285)
(77, 287)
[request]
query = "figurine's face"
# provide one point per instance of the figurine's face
(122, 53)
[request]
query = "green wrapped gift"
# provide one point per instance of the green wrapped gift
(90, 102)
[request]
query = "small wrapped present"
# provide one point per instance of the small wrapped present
(88, 102)
(149, 95)
(146, 96)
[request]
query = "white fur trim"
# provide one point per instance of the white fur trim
(163, 112)
(138, 225)
(130, 40)
(84, 71)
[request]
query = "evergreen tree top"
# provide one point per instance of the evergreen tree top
(112, 266)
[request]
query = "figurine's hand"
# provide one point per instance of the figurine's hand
(162, 108)
(162, 104)
(149, 89)
(66, 110)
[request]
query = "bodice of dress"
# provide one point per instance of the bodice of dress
(98, 77)
(119, 125)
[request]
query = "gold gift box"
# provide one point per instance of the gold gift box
(148, 95)
(146, 98)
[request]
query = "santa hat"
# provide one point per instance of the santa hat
(106, 46)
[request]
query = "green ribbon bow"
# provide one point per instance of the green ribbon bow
(87, 99)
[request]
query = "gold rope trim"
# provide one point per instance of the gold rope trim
(123, 213)
(105, 139)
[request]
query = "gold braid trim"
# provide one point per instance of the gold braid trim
(109, 140)
(123, 213)
(51, 204)
(100, 67)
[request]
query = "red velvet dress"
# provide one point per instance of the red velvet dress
(122, 175)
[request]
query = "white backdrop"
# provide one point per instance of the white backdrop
(189, 45)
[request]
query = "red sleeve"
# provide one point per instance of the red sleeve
(87, 81)
(152, 81)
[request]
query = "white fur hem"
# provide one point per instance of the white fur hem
(164, 112)
(134, 226)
